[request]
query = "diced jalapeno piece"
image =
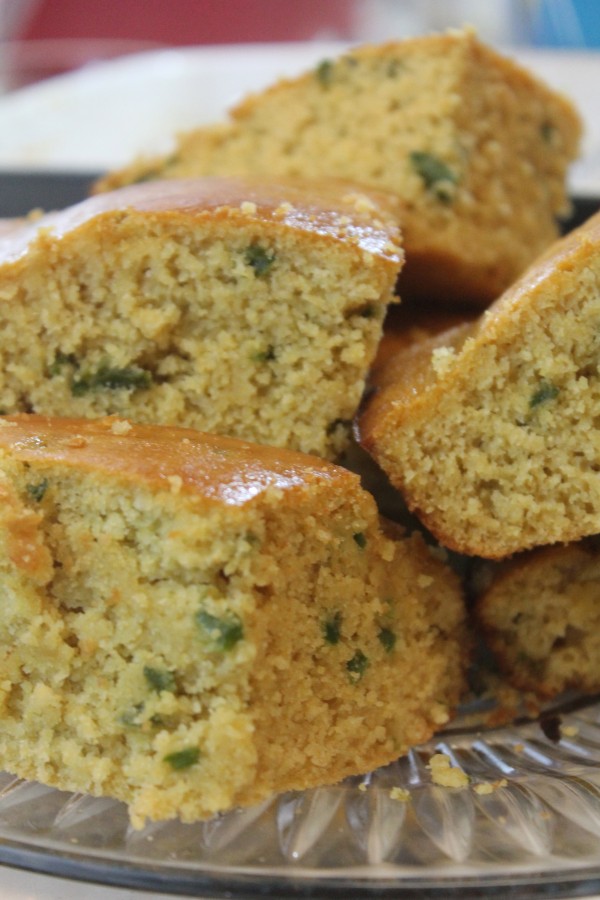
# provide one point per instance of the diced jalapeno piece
(160, 679)
(37, 490)
(357, 666)
(546, 391)
(129, 378)
(267, 355)
(547, 131)
(61, 360)
(332, 628)
(224, 632)
(387, 639)
(182, 759)
(259, 259)
(132, 715)
(437, 176)
(324, 72)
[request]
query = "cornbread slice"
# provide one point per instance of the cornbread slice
(475, 147)
(192, 622)
(229, 305)
(541, 617)
(492, 430)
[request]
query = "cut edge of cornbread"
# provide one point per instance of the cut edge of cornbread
(490, 430)
(230, 305)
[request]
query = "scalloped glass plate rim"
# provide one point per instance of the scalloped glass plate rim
(244, 882)
(548, 876)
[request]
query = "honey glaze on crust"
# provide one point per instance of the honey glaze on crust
(338, 210)
(217, 469)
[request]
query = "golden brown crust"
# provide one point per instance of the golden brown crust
(215, 469)
(23, 546)
(439, 44)
(402, 382)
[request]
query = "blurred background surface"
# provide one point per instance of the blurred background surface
(557, 22)
(135, 72)
(39, 38)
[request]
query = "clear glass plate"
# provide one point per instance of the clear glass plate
(528, 823)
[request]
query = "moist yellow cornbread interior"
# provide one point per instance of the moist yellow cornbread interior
(541, 617)
(218, 319)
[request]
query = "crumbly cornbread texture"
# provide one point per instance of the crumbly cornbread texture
(191, 623)
(228, 305)
(475, 147)
(541, 617)
(492, 430)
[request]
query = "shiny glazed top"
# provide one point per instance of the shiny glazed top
(179, 460)
(339, 211)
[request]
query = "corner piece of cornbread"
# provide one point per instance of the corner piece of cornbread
(540, 616)
(492, 430)
(475, 147)
(229, 305)
(190, 623)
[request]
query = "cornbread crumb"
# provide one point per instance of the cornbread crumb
(438, 552)
(442, 359)
(76, 441)
(188, 651)
(569, 730)
(176, 483)
(444, 774)
(120, 426)
(439, 712)
(401, 794)
(489, 787)
(360, 202)
(284, 209)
